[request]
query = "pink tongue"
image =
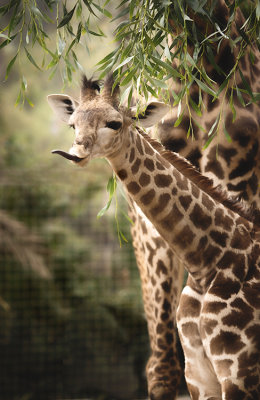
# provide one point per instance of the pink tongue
(67, 155)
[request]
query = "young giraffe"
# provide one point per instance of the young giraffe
(219, 311)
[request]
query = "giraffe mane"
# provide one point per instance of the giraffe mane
(90, 84)
(204, 183)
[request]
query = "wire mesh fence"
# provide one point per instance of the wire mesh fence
(72, 321)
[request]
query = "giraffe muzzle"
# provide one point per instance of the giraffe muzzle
(68, 156)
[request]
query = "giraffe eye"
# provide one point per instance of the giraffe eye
(114, 125)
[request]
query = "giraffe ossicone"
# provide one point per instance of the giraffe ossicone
(219, 310)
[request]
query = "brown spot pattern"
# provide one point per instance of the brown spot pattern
(199, 218)
(133, 188)
(144, 179)
(223, 220)
(148, 197)
(139, 145)
(207, 202)
(214, 307)
(190, 306)
(223, 367)
(208, 325)
(162, 180)
(219, 238)
(224, 287)
(185, 201)
(132, 155)
(161, 268)
(241, 239)
(226, 343)
(122, 174)
(149, 164)
(172, 218)
(184, 238)
(135, 166)
(210, 254)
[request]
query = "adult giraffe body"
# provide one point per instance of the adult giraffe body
(234, 164)
(218, 316)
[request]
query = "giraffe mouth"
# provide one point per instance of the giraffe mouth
(68, 156)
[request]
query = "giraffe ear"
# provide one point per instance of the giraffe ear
(153, 114)
(62, 105)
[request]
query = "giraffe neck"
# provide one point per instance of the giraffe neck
(197, 228)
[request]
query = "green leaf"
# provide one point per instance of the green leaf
(103, 10)
(18, 99)
(179, 119)
(66, 18)
(74, 41)
(128, 218)
(231, 103)
(29, 101)
(79, 10)
(125, 95)
(7, 41)
(121, 14)
(111, 188)
(24, 84)
(195, 107)
(167, 52)
(159, 83)
(30, 58)
(124, 62)
(204, 87)
(209, 141)
(2, 35)
(151, 90)
(214, 125)
(245, 83)
(95, 33)
(108, 57)
(240, 97)
(222, 86)
(11, 63)
(227, 134)
(87, 3)
(104, 209)
(257, 10)
(37, 12)
(53, 62)
(61, 46)
(129, 76)
(167, 66)
(122, 236)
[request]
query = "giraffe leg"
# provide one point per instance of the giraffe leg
(161, 285)
(199, 373)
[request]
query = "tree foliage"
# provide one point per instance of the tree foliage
(143, 56)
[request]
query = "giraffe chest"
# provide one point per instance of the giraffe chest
(222, 324)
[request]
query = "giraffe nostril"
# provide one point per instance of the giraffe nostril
(87, 144)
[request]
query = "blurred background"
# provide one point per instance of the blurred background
(71, 316)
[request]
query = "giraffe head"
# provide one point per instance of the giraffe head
(101, 124)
